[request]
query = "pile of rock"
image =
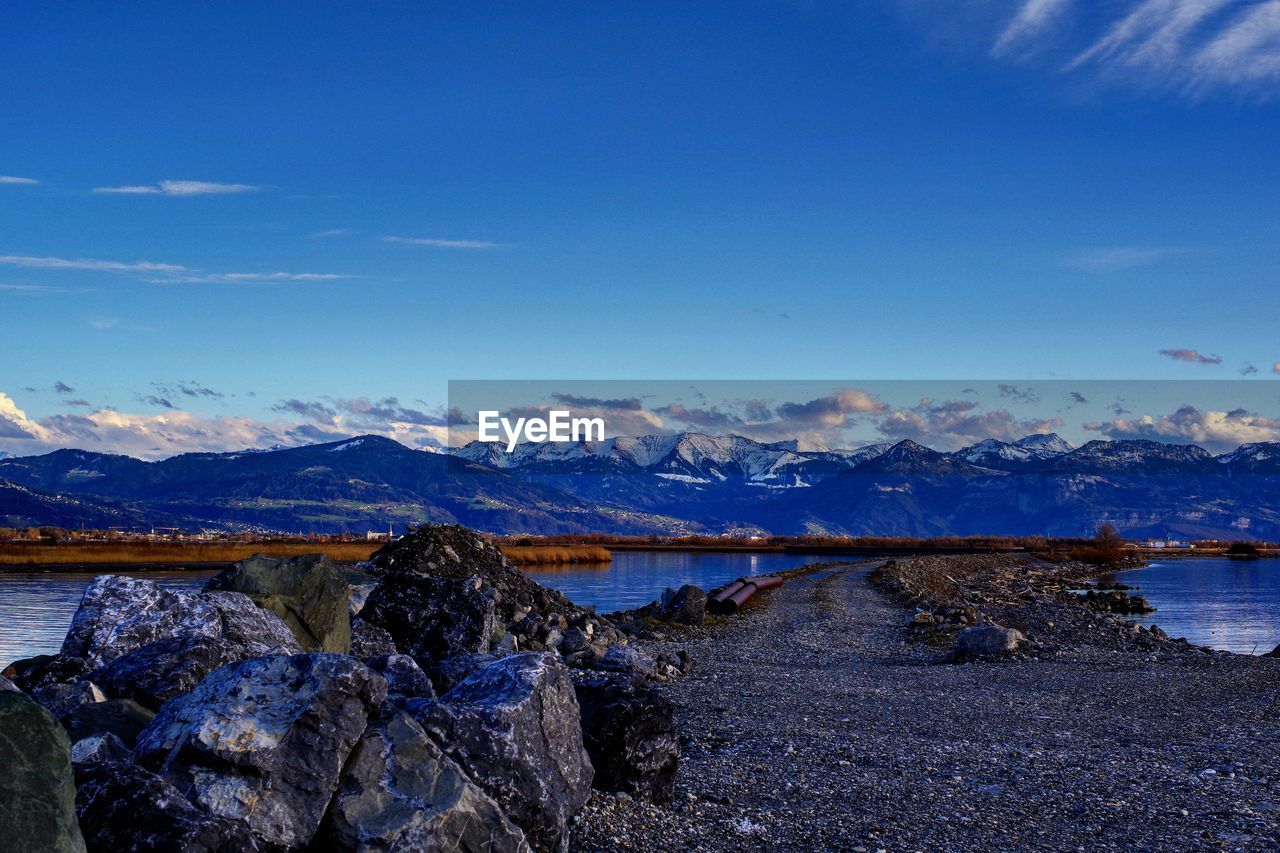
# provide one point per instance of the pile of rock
(249, 716)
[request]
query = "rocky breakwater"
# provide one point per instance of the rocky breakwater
(999, 605)
(447, 702)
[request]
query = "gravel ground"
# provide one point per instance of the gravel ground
(820, 722)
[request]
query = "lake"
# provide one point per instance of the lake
(36, 607)
(1216, 602)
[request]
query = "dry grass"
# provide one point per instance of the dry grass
(558, 554)
(124, 553)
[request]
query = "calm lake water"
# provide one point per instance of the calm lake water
(1220, 603)
(36, 607)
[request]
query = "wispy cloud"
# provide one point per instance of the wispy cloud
(1033, 18)
(441, 244)
(1189, 47)
(331, 233)
(104, 322)
(179, 188)
(1191, 355)
(1275, 368)
(1115, 258)
(88, 264)
(26, 289)
(247, 278)
(1247, 369)
(63, 388)
(13, 179)
(157, 273)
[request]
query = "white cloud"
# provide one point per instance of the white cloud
(26, 289)
(1275, 368)
(330, 233)
(1188, 47)
(1216, 431)
(1032, 19)
(11, 179)
(88, 264)
(174, 431)
(441, 244)
(179, 188)
(104, 322)
(1246, 52)
(1114, 258)
(247, 278)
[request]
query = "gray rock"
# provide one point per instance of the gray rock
(98, 749)
(308, 593)
(119, 614)
(7, 686)
(450, 672)
(370, 641)
(399, 791)
(62, 699)
(432, 618)
(986, 641)
(123, 718)
(123, 807)
(686, 605)
(404, 676)
(629, 731)
(37, 791)
(514, 727)
(359, 585)
(628, 660)
(156, 672)
(264, 740)
(29, 674)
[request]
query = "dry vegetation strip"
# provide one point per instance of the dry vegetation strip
(123, 553)
(127, 553)
(556, 554)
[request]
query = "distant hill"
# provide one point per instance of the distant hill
(683, 483)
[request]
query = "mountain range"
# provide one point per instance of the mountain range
(668, 484)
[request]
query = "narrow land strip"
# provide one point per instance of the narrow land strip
(817, 723)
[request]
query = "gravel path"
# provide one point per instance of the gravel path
(813, 723)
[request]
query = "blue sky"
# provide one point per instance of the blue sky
(214, 213)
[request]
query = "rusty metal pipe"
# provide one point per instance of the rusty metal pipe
(728, 591)
(750, 586)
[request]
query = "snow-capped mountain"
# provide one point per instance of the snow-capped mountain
(689, 456)
(994, 453)
(1256, 458)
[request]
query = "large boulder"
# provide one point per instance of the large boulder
(119, 614)
(432, 618)
(124, 807)
(98, 749)
(370, 641)
(62, 699)
(399, 791)
(449, 673)
(629, 731)
(309, 593)
(686, 605)
(154, 673)
(37, 791)
(264, 740)
(403, 675)
(514, 726)
(123, 718)
(30, 674)
(986, 641)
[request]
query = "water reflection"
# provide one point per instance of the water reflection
(1220, 603)
(635, 578)
(36, 607)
